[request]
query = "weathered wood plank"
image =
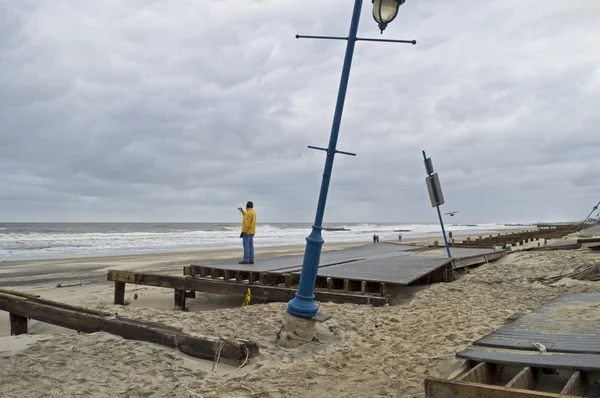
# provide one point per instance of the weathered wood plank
(462, 369)
(440, 388)
(260, 292)
(20, 294)
(88, 321)
(577, 384)
(526, 379)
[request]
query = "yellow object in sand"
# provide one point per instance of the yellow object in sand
(247, 299)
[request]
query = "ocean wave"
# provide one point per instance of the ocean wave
(54, 242)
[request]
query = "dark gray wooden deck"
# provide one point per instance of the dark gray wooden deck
(381, 262)
(568, 326)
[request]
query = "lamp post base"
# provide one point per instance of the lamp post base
(295, 331)
(303, 307)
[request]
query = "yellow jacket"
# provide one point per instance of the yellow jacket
(249, 223)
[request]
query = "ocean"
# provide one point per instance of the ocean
(29, 241)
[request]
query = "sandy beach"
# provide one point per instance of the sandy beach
(363, 351)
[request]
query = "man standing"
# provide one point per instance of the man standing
(248, 231)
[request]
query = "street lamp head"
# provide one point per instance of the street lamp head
(384, 11)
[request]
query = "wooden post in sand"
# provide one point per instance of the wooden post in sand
(18, 324)
(120, 293)
(180, 299)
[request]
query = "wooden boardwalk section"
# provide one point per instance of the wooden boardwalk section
(514, 239)
(390, 263)
(367, 274)
(368, 271)
(551, 352)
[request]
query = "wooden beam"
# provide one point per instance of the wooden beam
(261, 292)
(20, 294)
(483, 372)
(526, 379)
(466, 365)
(577, 384)
(90, 321)
(441, 388)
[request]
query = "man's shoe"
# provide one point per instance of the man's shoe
(243, 262)
(251, 262)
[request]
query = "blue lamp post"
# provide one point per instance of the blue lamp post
(384, 11)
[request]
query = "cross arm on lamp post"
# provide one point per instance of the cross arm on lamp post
(303, 305)
(413, 42)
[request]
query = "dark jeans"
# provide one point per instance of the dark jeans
(248, 242)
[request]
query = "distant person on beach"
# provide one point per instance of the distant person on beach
(450, 235)
(248, 231)
(374, 238)
(399, 236)
(377, 238)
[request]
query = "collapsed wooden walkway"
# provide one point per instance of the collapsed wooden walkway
(185, 287)
(23, 306)
(551, 352)
(368, 274)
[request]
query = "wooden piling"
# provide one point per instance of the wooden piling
(18, 324)
(120, 293)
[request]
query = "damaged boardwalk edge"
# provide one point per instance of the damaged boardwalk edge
(518, 238)
(185, 287)
(509, 363)
(23, 306)
(476, 379)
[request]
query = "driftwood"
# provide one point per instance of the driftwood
(583, 273)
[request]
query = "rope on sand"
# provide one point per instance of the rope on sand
(588, 272)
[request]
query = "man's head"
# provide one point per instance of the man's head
(249, 205)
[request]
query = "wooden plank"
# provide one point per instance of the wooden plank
(441, 388)
(84, 320)
(577, 384)
(20, 294)
(483, 372)
(551, 360)
(465, 367)
(269, 293)
(18, 324)
(526, 379)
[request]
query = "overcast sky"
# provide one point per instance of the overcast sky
(157, 110)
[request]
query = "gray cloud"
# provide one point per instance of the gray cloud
(182, 111)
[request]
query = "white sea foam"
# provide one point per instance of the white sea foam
(56, 243)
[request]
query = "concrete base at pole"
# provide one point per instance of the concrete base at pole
(295, 331)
